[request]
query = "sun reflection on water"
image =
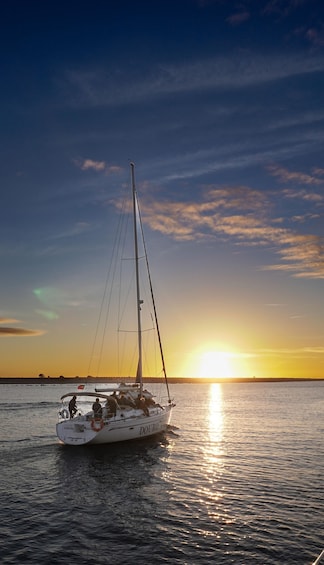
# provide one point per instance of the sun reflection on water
(211, 491)
(215, 420)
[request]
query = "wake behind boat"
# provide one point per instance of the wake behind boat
(128, 412)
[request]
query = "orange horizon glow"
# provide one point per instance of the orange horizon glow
(67, 353)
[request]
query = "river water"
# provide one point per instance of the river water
(237, 478)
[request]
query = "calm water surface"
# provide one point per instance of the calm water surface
(236, 479)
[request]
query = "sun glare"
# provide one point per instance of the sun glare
(215, 364)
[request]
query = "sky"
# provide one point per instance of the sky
(220, 105)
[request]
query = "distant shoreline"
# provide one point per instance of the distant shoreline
(171, 380)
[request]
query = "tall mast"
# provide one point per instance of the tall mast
(139, 373)
(154, 307)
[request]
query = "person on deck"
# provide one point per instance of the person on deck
(125, 400)
(72, 407)
(149, 401)
(112, 404)
(140, 403)
(97, 409)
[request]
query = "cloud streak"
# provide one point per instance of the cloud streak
(286, 176)
(19, 332)
(101, 88)
(7, 331)
(97, 166)
(243, 216)
(300, 353)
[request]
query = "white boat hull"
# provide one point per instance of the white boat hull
(82, 430)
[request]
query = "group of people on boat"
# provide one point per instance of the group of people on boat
(115, 401)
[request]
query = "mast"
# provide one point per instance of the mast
(154, 307)
(139, 374)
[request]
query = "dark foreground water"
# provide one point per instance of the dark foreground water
(238, 478)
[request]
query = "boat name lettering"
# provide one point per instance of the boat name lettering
(149, 429)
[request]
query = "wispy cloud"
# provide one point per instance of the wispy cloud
(318, 171)
(97, 166)
(309, 352)
(245, 217)
(304, 195)
(300, 178)
(7, 331)
(19, 332)
(75, 230)
(298, 353)
(94, 165)
(301, 218)
(47, 314)
(98, 87)
(238, 18)
(315, 36)
(312, 34)
(282, 8)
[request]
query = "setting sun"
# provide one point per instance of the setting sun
(215, 364)
(216, 361)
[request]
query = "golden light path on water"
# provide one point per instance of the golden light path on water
(215, 421)
(211, 492)
(202, 499)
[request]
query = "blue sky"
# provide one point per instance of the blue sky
(220, 105)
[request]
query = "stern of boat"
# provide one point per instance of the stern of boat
(74, 432)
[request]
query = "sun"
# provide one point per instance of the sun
(216, 361)
(215, 364)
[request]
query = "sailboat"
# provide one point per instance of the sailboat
(126, 410)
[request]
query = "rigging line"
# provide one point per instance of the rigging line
(121, 310)
(112, 268)
(153, 301)
(121, 231)
(122, 305)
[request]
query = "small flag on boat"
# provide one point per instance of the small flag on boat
(80, 387)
